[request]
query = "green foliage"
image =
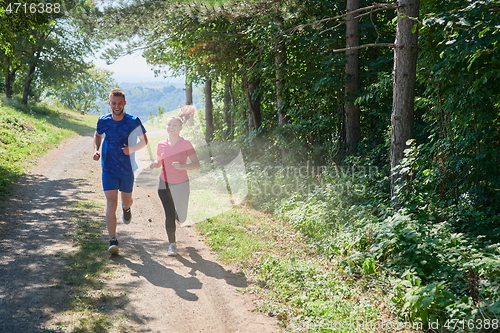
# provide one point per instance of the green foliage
(28, 131)
(440, 247)
(40, 45)
(84, 90)
(456, 155)
(437, 274)
(316, 300)
(294, 285)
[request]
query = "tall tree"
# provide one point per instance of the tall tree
(41, 43)
(16, 38)
(228, 106)
(352, 112)
(404, 76)
(279, 63)
(209, 111)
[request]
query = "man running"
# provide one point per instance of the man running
(120, 132)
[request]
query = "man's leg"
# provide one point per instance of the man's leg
(111, 204)
(126, 200)
(126, 188)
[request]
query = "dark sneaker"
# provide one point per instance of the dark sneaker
(113, 246)
(127, 216)
(172, 250)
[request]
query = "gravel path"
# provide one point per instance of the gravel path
(188, 293)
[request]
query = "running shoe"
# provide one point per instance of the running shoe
(172, 250)
(127, 216)
(113, 246)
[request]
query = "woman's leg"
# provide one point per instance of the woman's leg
(180, 195)
(169, 208)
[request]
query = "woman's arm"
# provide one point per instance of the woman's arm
(194, 164)
(156, 163)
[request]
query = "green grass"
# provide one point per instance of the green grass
(93, 307)
(26, 132)
(303, 290)
(236, 237)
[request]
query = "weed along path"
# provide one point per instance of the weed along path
(139, 290)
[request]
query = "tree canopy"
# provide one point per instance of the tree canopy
(427, 100)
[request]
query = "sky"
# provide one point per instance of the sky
(131, 68)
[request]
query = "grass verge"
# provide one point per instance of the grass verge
(92, 307)
(26, 132)
(303, 290)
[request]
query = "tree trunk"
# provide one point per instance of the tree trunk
(209, 107)
(189, 93)
(8, 83)
(352, 113)
(27, 84)
(228, 119)
(189, 90)
(9, 78)
(404, 77)
(279, 62)
(254, 99)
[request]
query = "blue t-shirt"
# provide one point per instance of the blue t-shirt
(117, 134)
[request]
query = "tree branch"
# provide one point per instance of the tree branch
(377, 7)
(363, 46)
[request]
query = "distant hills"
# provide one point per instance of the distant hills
(145, 98)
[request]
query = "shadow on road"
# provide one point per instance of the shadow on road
(212, 269)
(35, 221)
(161, 276)
(165, 277)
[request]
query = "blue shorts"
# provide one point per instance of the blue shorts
(124, 183)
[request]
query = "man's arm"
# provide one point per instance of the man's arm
(97, 145)
(143, 141)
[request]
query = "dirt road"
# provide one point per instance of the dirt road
(188, 293)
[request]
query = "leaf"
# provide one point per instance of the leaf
(369, 266)
(495, 307)
(414, 28)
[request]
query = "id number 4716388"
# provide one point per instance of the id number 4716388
(33, 8)
(473, 324)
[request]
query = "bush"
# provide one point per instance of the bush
(439, 276)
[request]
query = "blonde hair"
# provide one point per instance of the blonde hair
(187, 114)
(179, 119)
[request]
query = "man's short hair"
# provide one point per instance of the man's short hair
(116, 93)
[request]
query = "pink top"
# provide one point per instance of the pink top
(176, 153)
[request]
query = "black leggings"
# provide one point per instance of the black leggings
(175, 198)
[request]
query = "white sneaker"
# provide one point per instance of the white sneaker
(113, 246)
(172, 250)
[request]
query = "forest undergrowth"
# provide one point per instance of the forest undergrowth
(430, 271)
